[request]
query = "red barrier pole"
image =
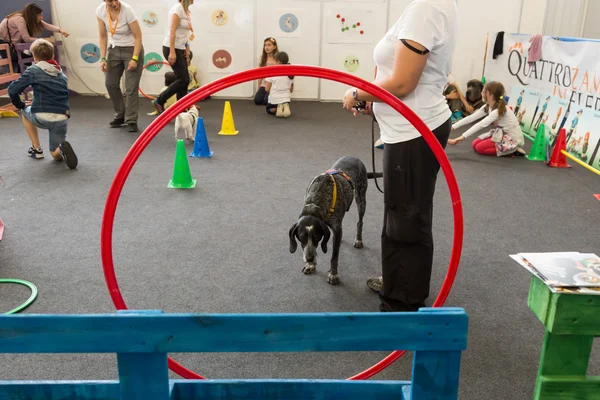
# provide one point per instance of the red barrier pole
(279, 70)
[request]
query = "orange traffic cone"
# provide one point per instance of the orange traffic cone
(558, 159)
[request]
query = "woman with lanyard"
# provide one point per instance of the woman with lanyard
(176, 49)
(413, 62)
(118, 25)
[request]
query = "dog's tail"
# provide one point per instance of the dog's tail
(373, 175)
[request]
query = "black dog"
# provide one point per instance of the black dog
(474, 97)
(328, 198)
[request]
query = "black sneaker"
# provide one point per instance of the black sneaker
(38, 153)
(117, 123)
(375, 283)
(68, 154)
(132, 127)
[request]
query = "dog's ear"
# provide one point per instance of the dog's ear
(293, 244)
(326, 235)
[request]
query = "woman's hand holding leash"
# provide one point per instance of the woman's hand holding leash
(349, 102)
(354, 106)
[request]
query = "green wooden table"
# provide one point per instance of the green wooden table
(572, 321)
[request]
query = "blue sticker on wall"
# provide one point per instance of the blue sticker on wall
(90, 53)
(288, 23)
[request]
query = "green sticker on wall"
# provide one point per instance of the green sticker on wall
(351, 63)
(153, 57)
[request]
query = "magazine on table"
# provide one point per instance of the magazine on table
(567, 272)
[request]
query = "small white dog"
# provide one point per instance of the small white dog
(187, 121)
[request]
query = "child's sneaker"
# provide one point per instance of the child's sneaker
(68, 154)
(159, 109)
(286, 110)
(279, 113)
(36, 153)
(520, 152)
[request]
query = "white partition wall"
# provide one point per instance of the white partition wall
(225, 41)
(230, 33)
(296, 25)
(351, 30)
(477, 18)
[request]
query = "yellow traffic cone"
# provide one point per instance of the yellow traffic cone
(228, 127)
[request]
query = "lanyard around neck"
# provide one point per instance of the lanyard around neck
(189, 19)
(112, 29)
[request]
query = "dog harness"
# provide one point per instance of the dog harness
(331, 173)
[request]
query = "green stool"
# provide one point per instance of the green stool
(572, 321)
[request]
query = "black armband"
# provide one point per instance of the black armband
(412, 48)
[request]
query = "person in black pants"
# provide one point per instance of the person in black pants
(176, 49)
(413, 62)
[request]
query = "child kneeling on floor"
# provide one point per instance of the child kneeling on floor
(505, 138)
(280, 90)
(50, 108)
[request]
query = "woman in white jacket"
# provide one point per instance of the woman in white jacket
(505, 137)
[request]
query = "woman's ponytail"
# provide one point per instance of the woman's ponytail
(501, 106)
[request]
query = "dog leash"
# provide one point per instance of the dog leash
(373, 152)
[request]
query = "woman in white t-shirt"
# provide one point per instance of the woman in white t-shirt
(413, 62)
(280, 90)
(505, 138)
(176, 49)
(119, 30)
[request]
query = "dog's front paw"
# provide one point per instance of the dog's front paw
(333, 279)
(358, 244)
(309, 268)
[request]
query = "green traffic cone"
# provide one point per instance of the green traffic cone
(538, 150)
(182, 177)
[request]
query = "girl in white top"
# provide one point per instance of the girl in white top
(280, 90)
(176, 49)
(119, 31)
(267, 58)
(413, 62)
(505, 137)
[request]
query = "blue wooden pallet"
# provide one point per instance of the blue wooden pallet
(142, 339)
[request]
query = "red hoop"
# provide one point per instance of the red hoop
(258, 73)
(146, 66)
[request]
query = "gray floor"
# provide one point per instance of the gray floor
(223, 247)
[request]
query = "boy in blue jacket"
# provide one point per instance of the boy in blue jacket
(50, 108)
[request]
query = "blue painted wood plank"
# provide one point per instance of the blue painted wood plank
(436, 330)
(143, 376)
(59, 390)
(289, 389)
(406, 392)
(435, 375)
(216, 389)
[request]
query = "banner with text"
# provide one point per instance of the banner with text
(569, 70)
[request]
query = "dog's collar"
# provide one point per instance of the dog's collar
(333, 198)
(331, 173)
(341, 173)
